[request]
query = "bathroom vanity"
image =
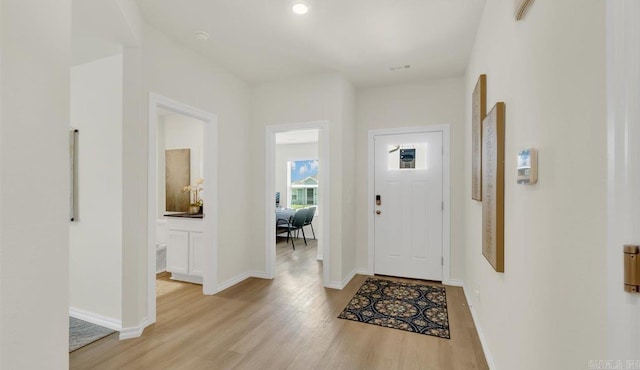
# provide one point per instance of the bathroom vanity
(185, 246)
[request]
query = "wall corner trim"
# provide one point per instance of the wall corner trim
(133, 332)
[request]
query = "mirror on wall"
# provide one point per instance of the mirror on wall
(180, 162)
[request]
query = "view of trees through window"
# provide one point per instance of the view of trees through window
(303, 184)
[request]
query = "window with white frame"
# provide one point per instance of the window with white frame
(303, 183)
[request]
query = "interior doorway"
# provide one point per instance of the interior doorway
(297, 180)
(192, 244)
(297, 191)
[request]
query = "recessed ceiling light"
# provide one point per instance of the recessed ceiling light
(201, 35)
(300, 8)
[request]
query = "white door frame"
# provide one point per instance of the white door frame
(623, 203)
(324, 195)
(446, 192)
(210, 273)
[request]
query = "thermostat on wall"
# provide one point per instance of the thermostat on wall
(528, 166)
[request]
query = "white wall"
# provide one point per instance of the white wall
(171, 70)
(134, 195)
(95, 238)
(286, 153)
(34, 184)
(412, 105)
(300, 100)
(348, 177)
(176, 131)
(548, 309)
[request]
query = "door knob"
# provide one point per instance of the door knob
(378, 212)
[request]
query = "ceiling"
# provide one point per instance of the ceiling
(98, 30)
(262, 40)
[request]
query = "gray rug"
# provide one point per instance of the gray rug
(82, 333)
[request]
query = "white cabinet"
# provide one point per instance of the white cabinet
(185, 249)
(196, 253)
(178, 252)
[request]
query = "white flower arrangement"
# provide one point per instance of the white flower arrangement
(196, 190)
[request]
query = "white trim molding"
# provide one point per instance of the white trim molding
(94, 318)
(453, 282)
(210, 120)
(323, 201)
(240, 278)
(483, 338)
(446, 191)
(133, 332)
(339, 285)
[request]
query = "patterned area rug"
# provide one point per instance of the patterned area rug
(412, 307)
(82, 333)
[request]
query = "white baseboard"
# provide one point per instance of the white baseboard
(483, 338)
(339, 285)
(240, 278)
(188, 278)
(454, 282)
(94, 318)
(258, 274)
(133, 332)
(233, 281)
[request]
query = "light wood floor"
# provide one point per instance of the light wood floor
(286, 323)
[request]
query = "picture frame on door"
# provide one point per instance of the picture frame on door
(493, 137)
(479, 111)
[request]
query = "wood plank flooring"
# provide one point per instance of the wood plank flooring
(286, 323)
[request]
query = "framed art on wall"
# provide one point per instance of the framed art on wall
(177, 176)
(478, 112)
(493, 187)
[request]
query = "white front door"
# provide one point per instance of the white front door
(409, 205)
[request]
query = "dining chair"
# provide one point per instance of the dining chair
(308, 221)
(295, 223)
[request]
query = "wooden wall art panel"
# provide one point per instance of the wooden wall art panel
(493, 187)
(479, 111)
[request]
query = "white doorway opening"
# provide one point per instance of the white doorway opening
(443, 132)
(210, 177)
(324, 195)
